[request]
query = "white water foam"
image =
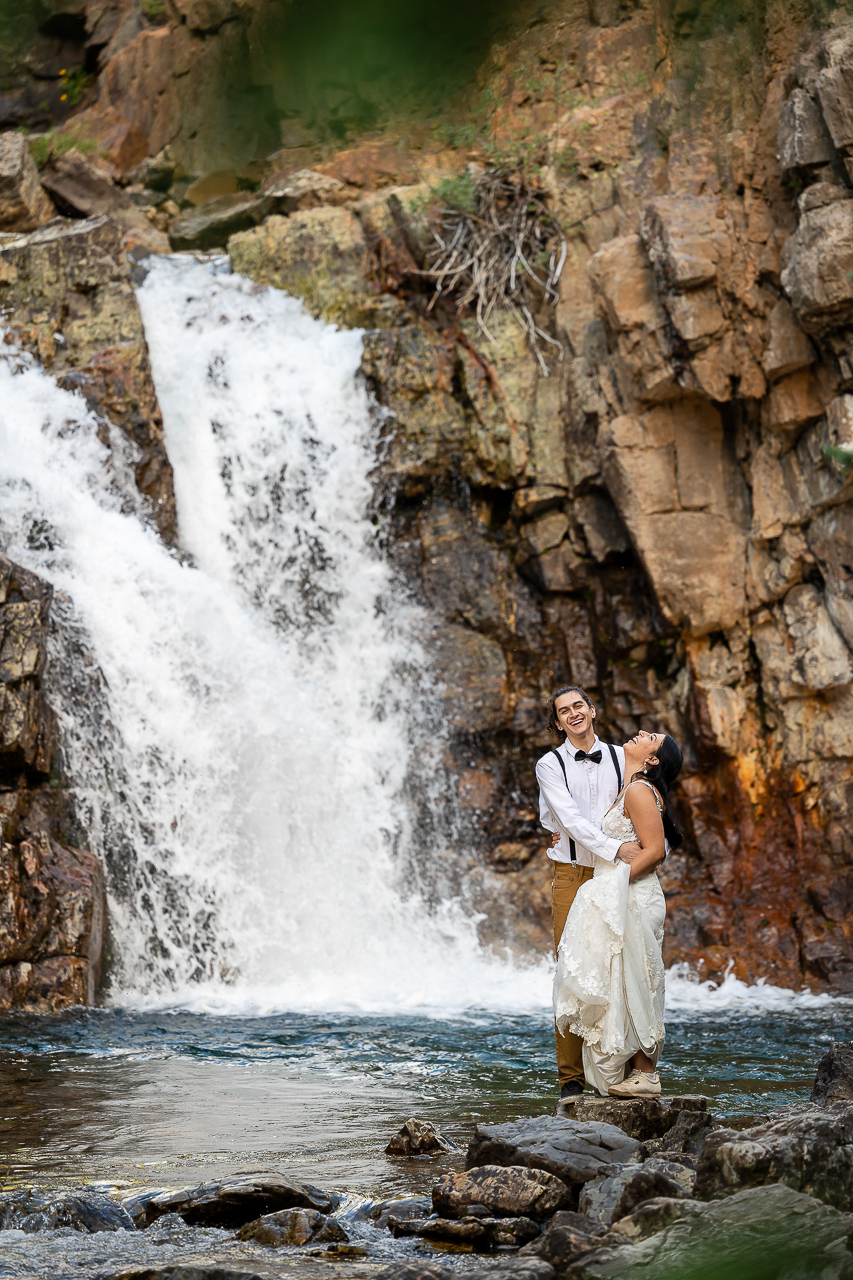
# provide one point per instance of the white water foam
(238, 731)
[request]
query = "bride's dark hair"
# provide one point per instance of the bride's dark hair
(662, 775)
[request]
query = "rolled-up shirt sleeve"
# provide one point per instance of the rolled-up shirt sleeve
(566, 814)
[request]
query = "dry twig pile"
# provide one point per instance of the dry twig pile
(507, 252)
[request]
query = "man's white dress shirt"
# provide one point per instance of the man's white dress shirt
(577, 809)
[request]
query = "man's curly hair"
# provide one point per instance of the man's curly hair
(553, 723)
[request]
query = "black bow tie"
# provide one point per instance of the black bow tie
(594, 756)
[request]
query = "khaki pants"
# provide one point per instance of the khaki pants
(568, 878)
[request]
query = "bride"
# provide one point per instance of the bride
(609, 984)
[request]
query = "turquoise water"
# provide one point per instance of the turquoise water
(177, 1096)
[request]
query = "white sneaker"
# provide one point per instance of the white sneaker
(637, 1085)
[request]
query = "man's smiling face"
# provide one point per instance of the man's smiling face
(575, 715)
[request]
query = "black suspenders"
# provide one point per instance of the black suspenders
(610, 747)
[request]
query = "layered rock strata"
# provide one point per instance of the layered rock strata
(52, 899)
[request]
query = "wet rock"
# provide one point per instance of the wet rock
(567, 1237)
(85, 1211)
(294, 1227)
(481, 1231)
(419, 1138)
(640, 1118)
(472, 674)
(177, 1271)
(90, 1213)
(67, 298)
(52, 912)
(772, 1232)
(235, 1201)
(507, 1192)
(415, 1270)
(27, 725)
(211, 225)
(134, 1205)
(808, 1148)
(82, 190)
(572, 1150)
(407, 1207)
(23, 203)
(834, 1080)
(473, 1231)
(610, 1198)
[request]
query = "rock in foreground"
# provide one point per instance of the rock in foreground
(481, 1232)
(236, 1201)
(575, 1151)
(506, 1192)
(808, 1148)
(608, 1199)
(294, 1227)
(765, 1233)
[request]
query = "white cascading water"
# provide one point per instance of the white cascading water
(239, 766)
(239, 729)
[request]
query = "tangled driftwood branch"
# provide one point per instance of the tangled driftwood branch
(507, 252)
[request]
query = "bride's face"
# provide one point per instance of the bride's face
(641, 750)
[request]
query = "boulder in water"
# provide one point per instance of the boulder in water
(419, 1138)
(294, 1227)
(506, 1192)
(834, 1080)
(85, 1211)
(408, 1207)
(575, 1151)
(805, 1147)
(235, 1201)
(481, 1231)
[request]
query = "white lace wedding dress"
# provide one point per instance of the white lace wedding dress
(609, 984)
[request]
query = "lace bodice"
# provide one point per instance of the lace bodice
(616, 822)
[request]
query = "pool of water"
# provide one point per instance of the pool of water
(132, 1100)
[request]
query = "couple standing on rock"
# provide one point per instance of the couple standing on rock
(609, 809)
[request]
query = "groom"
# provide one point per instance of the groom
(578, 782)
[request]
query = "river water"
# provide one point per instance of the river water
(247, 729)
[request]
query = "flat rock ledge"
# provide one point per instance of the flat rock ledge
(575, 1151)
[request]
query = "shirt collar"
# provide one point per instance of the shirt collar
(596, 743)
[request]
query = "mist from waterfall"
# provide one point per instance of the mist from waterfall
(239, 725)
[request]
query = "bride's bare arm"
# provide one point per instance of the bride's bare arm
(641, 808)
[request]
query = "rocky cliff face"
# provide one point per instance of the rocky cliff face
(656, 519)
(51, 898)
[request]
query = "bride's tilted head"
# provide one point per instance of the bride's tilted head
(657, 758)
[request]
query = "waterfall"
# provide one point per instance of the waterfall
(239, 723)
